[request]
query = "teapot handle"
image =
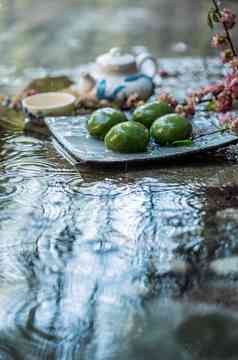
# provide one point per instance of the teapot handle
(147, 64)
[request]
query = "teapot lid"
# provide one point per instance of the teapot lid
(116, 62)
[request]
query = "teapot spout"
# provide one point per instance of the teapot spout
(87, 82)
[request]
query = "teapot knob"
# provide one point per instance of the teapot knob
(116, 51)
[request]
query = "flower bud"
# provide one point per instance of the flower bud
(234, 124)
(219, 41)
(234, 63)
(168, 99)
(227, 56)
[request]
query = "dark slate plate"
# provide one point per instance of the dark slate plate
(72, 135)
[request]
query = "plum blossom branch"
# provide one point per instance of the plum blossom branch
(224, 93)
(220, 97)
(228, 21)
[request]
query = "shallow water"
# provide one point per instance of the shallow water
(116, 264)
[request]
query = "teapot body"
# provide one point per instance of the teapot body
(119, 88)
(114, 77)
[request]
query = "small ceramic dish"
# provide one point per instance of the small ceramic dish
(49, 104)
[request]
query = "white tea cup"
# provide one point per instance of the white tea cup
(49, 104)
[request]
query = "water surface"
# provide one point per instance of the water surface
(116, 264)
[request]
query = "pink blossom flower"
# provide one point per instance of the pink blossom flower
(229, 121)
(219, 41)
(196, 96)
(229, 78)
(224, 102)
(226, 119)
(179, 109)
(214, 89)
(190, 110)
(233, 88)
(187, 110)
(228, 18)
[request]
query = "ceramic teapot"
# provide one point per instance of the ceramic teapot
(115, 76)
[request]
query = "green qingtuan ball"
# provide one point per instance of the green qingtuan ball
(102, 120)
(148, 113)
(170, 128)
(128, 137)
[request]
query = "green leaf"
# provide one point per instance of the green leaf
(213, 17)
(216, 16)
(11, 119)
(187, 142)
(211, 106)
(210, 21)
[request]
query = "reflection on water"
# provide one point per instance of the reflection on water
(81, 257)
(112, 265)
